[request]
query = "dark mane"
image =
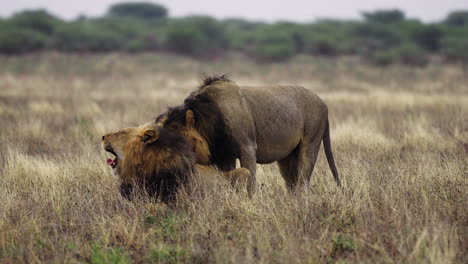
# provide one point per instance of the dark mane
(209, 80)
(209, 121)
(165, 182)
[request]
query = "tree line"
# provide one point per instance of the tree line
(382, 37)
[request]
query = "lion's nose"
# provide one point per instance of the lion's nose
(103, 137)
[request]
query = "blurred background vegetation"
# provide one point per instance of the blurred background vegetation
(382, 37)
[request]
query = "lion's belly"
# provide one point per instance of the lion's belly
(278, 131)
(279, 115)
(276, 146)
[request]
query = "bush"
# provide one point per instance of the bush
(411, 54)
(456, 50)
(139, 10)
(86, 37)
(384, 16)
(240, 33)
(274, 52)
(196, 36)
(454, 44)
(143, 43)
(321, 44)
(384, 57)
(272, 45)
(36, 20)
(407, 53)
(376, 36)
(16, 40)
(128, 28)
(457, 18)
(185, 39)
(428, 37)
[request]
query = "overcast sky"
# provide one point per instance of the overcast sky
(293, 10)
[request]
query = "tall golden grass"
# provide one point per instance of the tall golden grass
(399, 135)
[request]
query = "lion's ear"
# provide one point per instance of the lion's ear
(150, 136)
(189, 119)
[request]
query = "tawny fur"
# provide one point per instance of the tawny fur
(265, 124)
(169, 158)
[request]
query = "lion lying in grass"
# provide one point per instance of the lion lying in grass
(160, 162)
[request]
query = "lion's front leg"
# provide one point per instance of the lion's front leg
(248, 160)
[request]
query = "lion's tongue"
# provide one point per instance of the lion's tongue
(111, 162)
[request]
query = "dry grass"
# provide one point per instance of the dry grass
(400, 138)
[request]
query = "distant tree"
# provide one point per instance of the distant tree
(86, 36)
(385, 16)
(184, 38)
(273, 45)
(16, 40)
(428, 37)
(456, 50)
(37, 20)
(454, 44)
(457, 18)
(372, 36)
(139, 10)
(196, 36)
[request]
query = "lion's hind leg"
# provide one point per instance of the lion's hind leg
(297, 168)
(288, 170)
(307, 157)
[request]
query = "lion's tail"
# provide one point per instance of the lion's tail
(329, 154)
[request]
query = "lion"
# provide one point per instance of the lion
(159, 161)
(225, 122)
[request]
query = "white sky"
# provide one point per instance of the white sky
(292, 10)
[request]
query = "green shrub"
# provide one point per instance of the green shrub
(274, 52)
(196, 36)
(273, 45)
(384, 57)
(321, 44)
(86, 37)
(456, 49)
(139, 10)
(428, 37)
(371, 37)
(457, 18)
(411, 54)
(454, 44)
(240, 33)
(16, 40)
(128, 28)
(147, 42)
(407, 53)
(184, 38)
(384, 16)
(328, 37)
(36, 20)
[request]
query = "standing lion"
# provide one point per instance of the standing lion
(224, 121)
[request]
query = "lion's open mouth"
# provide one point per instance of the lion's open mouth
(112, 162)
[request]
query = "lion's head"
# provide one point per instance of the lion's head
(183, 123)
(151, 157)
(200, 120)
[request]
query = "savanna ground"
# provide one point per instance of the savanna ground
(399, 135)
